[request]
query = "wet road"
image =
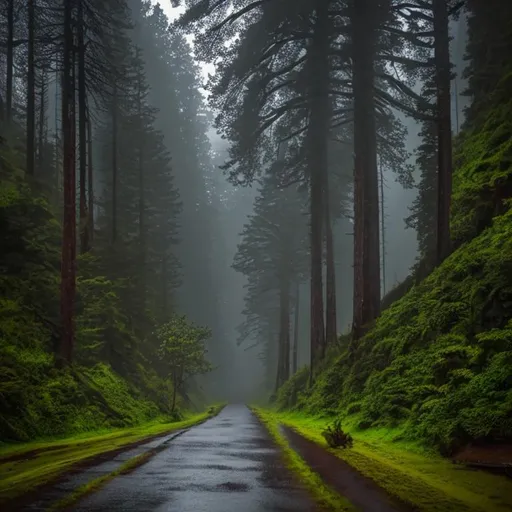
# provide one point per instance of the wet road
(227, 464)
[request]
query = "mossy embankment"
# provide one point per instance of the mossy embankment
(25, 467)
(417, 477)
(437, 365)
(116, 379)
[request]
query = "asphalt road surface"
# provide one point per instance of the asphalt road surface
(227, 464)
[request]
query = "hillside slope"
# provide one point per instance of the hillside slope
(112, 383)
(438, 363)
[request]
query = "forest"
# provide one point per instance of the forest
(298, 205)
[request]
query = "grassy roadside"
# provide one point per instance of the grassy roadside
(98, 483)
(422, 479)
(23, 468)
(326, 497)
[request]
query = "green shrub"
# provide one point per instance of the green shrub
(336, 437)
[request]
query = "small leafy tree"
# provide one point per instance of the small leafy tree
(182, 348)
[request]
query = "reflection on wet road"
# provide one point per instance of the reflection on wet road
(227, 464)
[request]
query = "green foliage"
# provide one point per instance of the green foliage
(101, 316)
(288, 392)
(182, 347)
(126, 281)
(112, 384)
(335, 437)
(419, 478)
(483, 181)
(438, 362)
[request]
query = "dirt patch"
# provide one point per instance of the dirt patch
(490, 454)
(361, 491)
(496, 458)
(32, 454)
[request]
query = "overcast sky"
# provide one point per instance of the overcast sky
(397, 200)
(173, 13)
(401, 245)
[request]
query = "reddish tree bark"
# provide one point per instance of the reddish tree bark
(444, 127)
(330, 279)
(283, 363)
(142, 199)
(42, 113)
(295, 350)
(68, 271)
(382, 227)
(31, 91)
(165, 299)
(82, 132)
(317, 165)
(90, 182)
(366, 186)
(10, 61)
(114, 165)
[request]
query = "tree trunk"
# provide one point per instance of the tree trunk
(114, 165)
(31, 90)
(279, 365)
(90, 182)
(174, 390)
(444, 127)
(366, 185)
(382, 227)
(164, 288)
(142, 227)
(331, 329)
(58, 133)
(10, 61)
(69, 222)
(317, 163)
(42, 119)
(284, 329)
(296, 330)
(82, 132)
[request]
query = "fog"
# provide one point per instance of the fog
(243, 377)
(217, 296)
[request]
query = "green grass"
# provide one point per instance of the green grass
(25, 467)
(326, 497)
(421, 478)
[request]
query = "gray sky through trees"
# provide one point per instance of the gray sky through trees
(401, 244)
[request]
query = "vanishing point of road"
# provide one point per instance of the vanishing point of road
(227, 464)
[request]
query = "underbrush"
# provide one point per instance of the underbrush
(39, 401)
